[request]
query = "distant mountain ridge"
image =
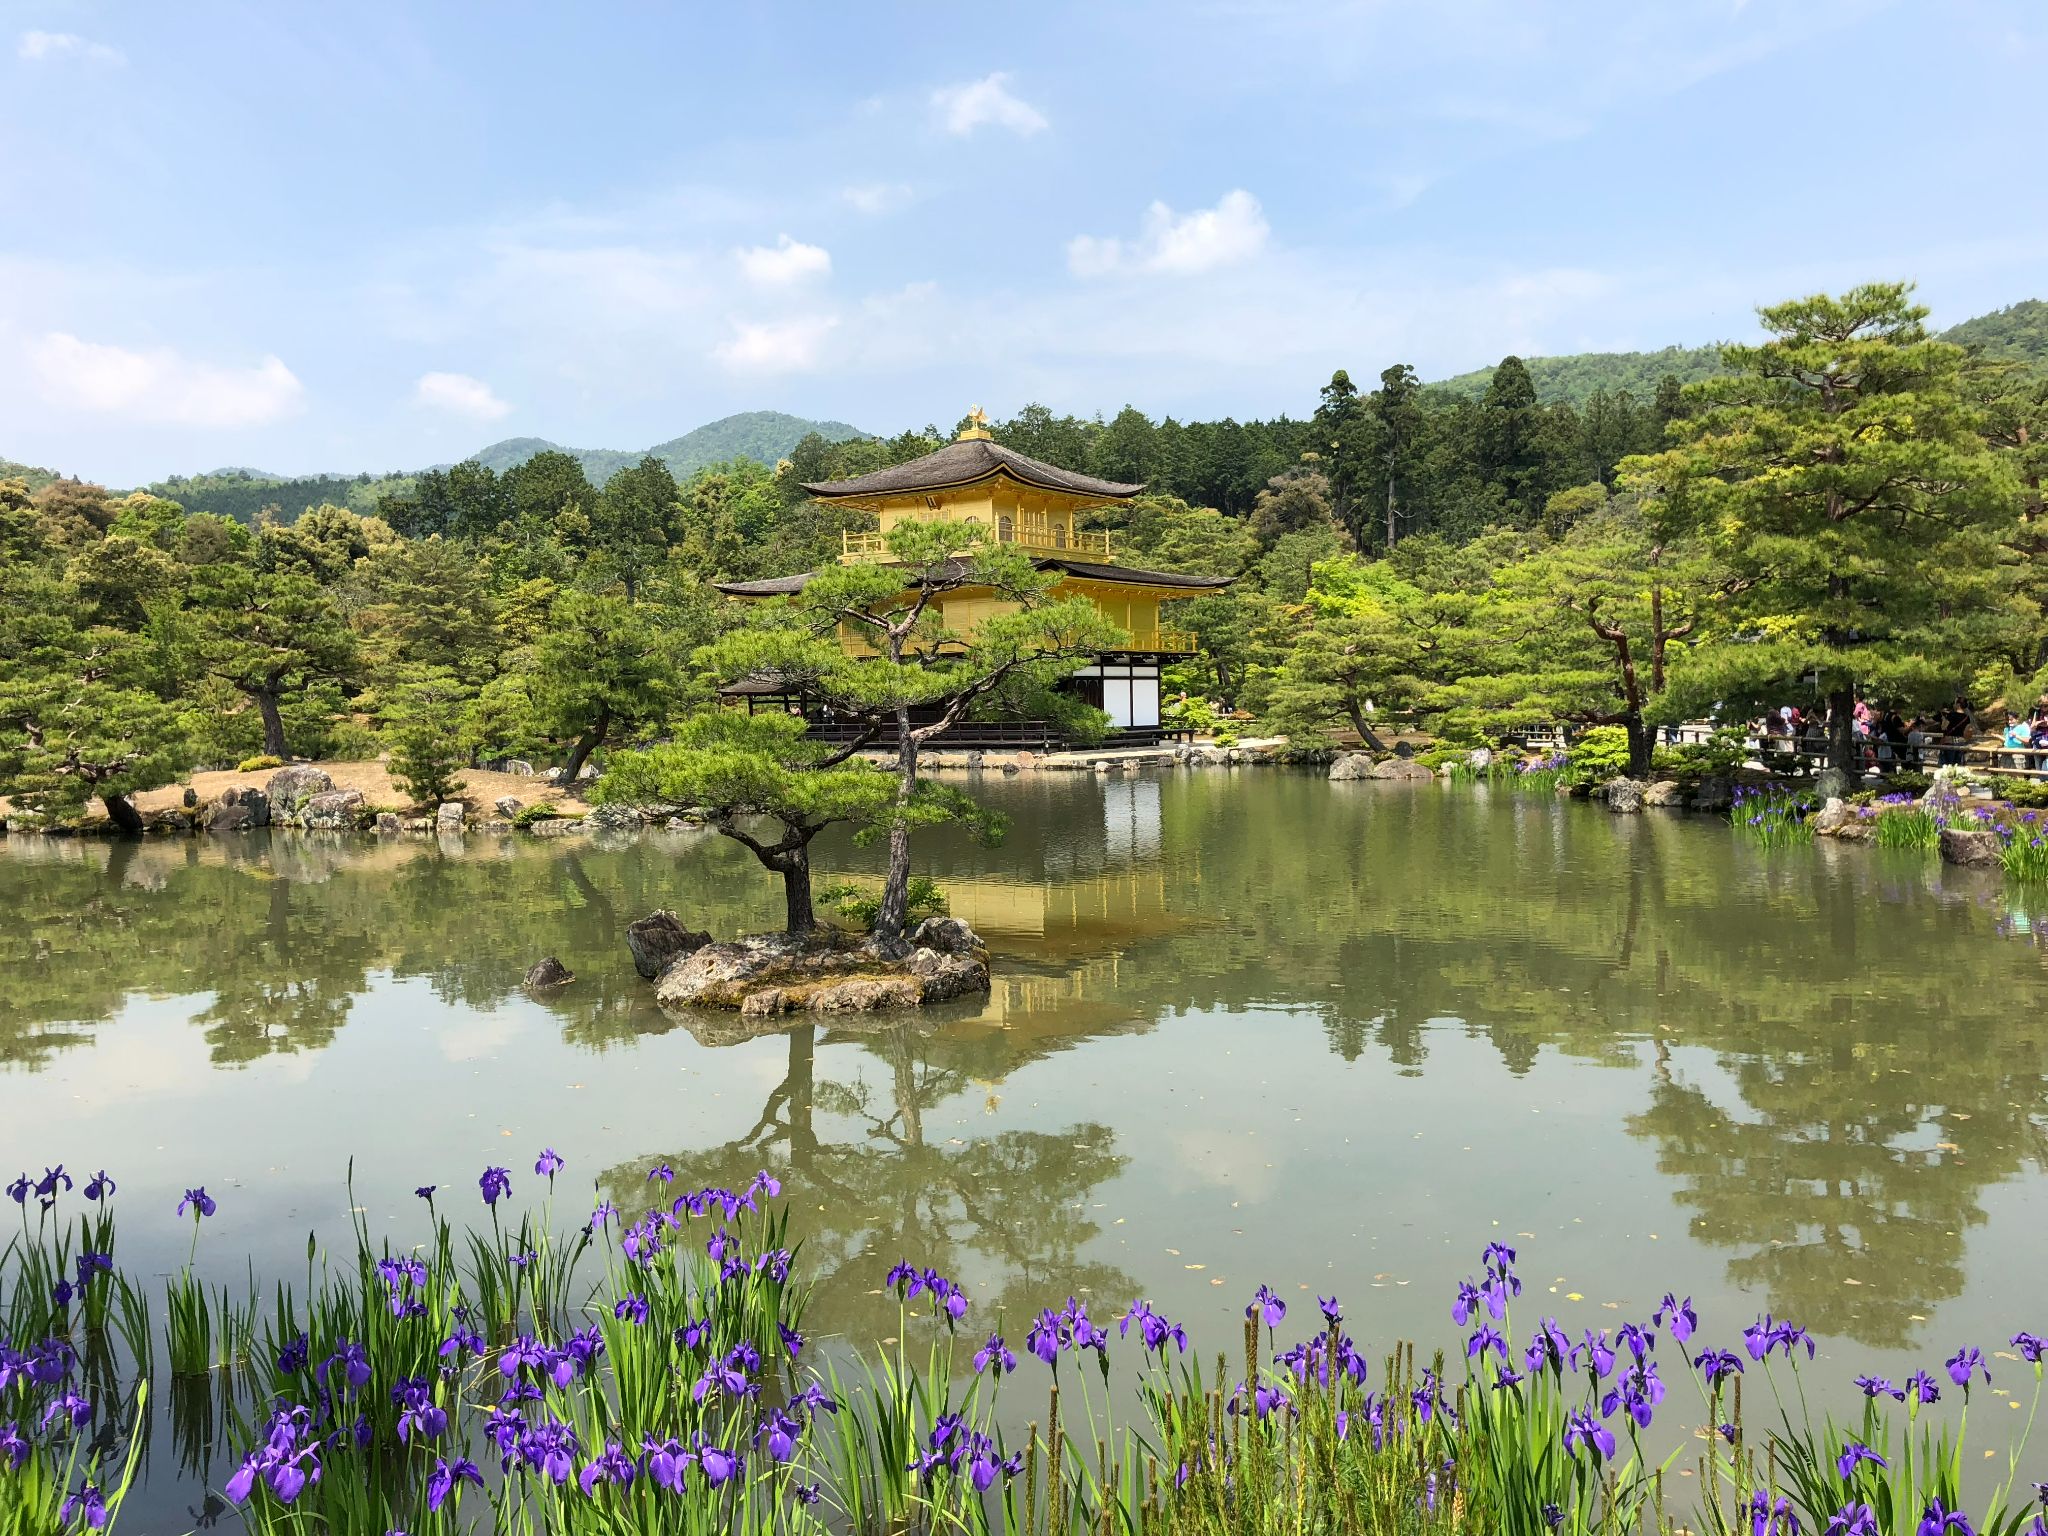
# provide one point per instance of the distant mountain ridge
(765, 436)
(2018, 333)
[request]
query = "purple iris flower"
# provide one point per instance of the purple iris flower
(99, 1186)
(14, 1446)
(1332, 1313)
(630, 1309)
(197, 1201)
(18, 1190)
(86, 1505)
(447, 1476)
(549, 1163)
(464, 1338)
(354, 1361)
(806, 1493)
(495, 1183)
(70, 1407)
(426, 1192)
(1154, 1330)
(775, 1265)
(603, 1215)
(1265, 1303)
(719, 1464)
(1854, 1520)
(1583, 1430)
(693, 1333)
(550, 1448)
(1678, 1316)
(1771, 1517)
(1963, 1362)
(666, 1462)
(994, 1354)
(1639, 1391)
(1717, 1365)
(1467, 1303)
(1854, 1454)
(2031, 1347)
(1549, 1346)
(780, 1432)
(1597, 1352)
(293, 1357)
(1923, 1387)
(612, 1465)
(420, 1416)
(1940, 1520)
(661, 1171)
(46, 1186)
(1880, 1386)
(1485, 1337)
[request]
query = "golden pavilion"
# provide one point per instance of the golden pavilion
(1040, 507)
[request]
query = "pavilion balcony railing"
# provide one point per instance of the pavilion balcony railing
(873, 548)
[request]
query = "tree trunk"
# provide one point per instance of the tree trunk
(273, 723)
(123, 815)
(1363, 726)
(1390, 511)
(586, 744)
(796, 891)
(1642, 747)
(1843, 753)
(894, 911)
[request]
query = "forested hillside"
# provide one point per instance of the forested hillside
(763, 436)
(1573, 379)
(2016, 334)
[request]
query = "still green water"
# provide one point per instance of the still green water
(1247, 1027)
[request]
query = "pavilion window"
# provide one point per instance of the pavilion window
(1006, 529)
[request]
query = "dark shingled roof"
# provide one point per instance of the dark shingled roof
(1088, 570)
(963, 463)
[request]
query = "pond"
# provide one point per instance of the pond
(1247, 1027)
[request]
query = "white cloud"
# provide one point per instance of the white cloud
(1234, 231)
(161, 386)
(460, 393)
(876, 197)
(776, 346)
(48, 47)
(785, 262)
(986, 102)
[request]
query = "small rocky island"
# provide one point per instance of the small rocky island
(825, 970)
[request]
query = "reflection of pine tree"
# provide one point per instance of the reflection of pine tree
(1009, 1209)
(1820, 1189)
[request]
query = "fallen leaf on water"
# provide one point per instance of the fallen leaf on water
(1847, 1281)
(1946, 1146)
(1217, 1281)
(1195, 1266)
(1174, 1251)
(1573, 1296)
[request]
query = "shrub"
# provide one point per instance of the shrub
(1190, 713)
(1719, 755)
(858, 905)
(1597, 756)
(258, 764)
(527, 815)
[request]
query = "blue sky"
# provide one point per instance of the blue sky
(372, 236)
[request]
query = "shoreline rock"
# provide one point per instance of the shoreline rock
(658, 940)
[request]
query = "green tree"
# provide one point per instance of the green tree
(1393, 444)
(77, 721)
(1586, 629)
(1841, 477)
(917, 678)
(739, 768)
(606, 669)
(423, 716)
(635, 520)
(271, 635)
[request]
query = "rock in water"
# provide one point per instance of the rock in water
(1664, 792)
(1969, 846)
(1401, 768)
(549, 973)
(828, 972)
(1713, 795)
(290, 788)
(336, 810)
(1624, 796)
(507, 806)
(613, 818)
(450, 815)
(1832, 817)
(237, 810)
(1352, 765)
(658, 940)
(388, 824)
